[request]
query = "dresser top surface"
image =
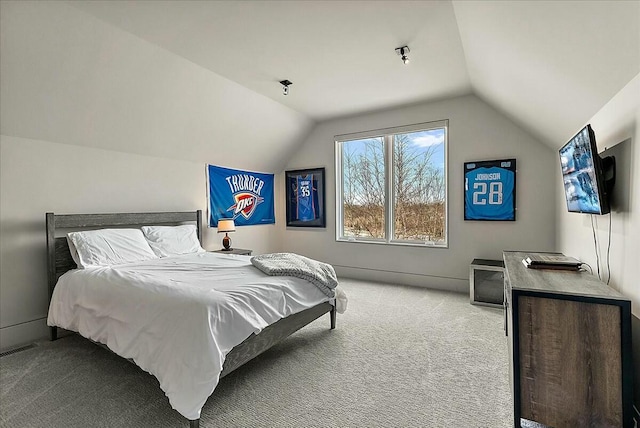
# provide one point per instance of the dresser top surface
(567, 282)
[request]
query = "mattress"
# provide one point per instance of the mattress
(178, 317)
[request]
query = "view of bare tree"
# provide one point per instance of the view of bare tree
(418, 190)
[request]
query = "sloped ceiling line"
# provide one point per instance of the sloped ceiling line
(549, 66)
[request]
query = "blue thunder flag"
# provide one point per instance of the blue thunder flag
(245, 196)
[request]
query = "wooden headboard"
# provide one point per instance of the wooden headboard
(59, 258)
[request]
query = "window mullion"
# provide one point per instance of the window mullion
(339, 193)
(389, 196)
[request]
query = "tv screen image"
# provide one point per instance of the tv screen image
(582, 174)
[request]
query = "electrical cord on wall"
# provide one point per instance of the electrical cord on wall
(597, 251)
(595, 244)
(609, 253)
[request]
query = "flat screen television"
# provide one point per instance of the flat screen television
(587, 177)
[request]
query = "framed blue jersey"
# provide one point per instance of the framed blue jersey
(490, 190)
(305, 198)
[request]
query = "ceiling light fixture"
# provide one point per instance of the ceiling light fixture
(285, 86)
(403, 51)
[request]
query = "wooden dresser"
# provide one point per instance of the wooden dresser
(569, 347)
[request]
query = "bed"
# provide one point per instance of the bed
(182, 305)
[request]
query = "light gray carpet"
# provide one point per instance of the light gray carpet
(400, 357)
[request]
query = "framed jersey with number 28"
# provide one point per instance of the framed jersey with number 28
(490, 190)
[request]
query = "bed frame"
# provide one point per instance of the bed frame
(59, 261)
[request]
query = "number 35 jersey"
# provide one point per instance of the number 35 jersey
(304, 195)
(489, 193)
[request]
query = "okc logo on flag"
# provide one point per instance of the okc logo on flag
(246, 204)
(245, 196)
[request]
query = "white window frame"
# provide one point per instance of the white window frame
(387, 134)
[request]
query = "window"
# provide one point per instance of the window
(392, 186)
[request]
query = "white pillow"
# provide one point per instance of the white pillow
(172, 240)
(73, 251)
(108, 247)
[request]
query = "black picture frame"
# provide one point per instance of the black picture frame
(490, 190)
(305, 208)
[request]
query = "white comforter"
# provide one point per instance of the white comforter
(178, 317)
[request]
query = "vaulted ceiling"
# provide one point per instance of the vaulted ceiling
(548, 65)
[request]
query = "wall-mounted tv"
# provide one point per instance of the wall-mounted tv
(587, 177)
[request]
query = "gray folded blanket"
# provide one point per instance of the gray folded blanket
(318, 273)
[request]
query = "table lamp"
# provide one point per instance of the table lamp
(226, 225)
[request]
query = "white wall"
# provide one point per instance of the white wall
(38, 177)
(476, 132)
(94, 119)
(617, 127)
(67, 77)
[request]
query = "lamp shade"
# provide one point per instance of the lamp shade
(226, 225)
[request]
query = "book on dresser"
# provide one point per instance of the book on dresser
(551, 261)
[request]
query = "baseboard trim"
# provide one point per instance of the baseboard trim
(22, 334)
(403, 278)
